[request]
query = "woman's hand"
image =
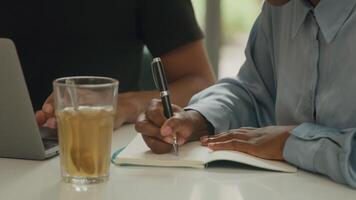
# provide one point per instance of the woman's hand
(267, 142)
(158, 131)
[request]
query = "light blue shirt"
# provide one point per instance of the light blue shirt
(300, 69)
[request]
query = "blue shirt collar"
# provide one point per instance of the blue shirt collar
(301, 9)
(329, 14)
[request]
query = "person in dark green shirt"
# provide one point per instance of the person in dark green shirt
(106, 38)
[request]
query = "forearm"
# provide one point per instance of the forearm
(188, 71)
(134, 103)
(324, 150)
(183, 89)
(229, 105)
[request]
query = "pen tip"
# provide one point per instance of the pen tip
(175, 148)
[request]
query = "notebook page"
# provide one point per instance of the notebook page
(137, 153)
(251, 160)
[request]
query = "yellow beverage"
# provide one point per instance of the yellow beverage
(85, 141)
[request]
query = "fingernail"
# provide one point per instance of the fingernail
(168, 140)
(204, 139)
(211, 145)
(166, 131)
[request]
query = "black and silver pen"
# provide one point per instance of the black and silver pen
(160, 80)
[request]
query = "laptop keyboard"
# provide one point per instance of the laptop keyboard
(49, 143)
(49, 137)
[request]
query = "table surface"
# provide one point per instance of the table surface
(25, 179)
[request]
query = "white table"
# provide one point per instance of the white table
(40, 180)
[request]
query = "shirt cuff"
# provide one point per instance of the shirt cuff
(216, 115)
(299, 148)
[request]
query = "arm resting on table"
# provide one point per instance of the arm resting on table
(324, 150)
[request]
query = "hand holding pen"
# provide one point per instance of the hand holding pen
(157, 131)
(160, 80)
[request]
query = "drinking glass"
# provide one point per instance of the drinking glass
(85, 109)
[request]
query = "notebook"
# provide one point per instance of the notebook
(191, 155)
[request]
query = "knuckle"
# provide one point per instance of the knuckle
(258, 134)
(231, 135)
(176, 120)
(151, 114)
(150, 108)
(138, 126)
(226, 136)
(182, 118)
(228, 133)
(257, 142)
(155, 102)
(234, 130)
(141, 117)
(235, 145)
(235, 142)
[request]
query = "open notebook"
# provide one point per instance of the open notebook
(190, 155)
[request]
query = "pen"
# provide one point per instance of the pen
(160, 80)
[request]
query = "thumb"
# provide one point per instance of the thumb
(48, 106)
(176, 126)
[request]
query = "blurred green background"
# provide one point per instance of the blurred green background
(237, 16)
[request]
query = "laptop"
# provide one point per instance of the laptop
(20, 136)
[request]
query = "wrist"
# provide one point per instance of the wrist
(290, 128)
(200, 125)
(129, 107)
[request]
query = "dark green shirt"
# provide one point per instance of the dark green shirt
(87, 37)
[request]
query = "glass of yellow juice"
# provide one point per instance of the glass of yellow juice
(85, 110)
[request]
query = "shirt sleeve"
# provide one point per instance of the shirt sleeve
(324, 150)
(247, 99)
(166, 25)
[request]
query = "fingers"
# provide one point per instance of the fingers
(247, 129)
(46, 115)
(157, 146)
(242, 139)
(180, 126)
(177, 125)
(48, 109)
(172, 127)
(157, 131)
(240, 134)
(233, 144)
(146, 127)
(266, 142)
(154, 112)
(151, 123)
(48, 106)
(40, 118)
(51, 123)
